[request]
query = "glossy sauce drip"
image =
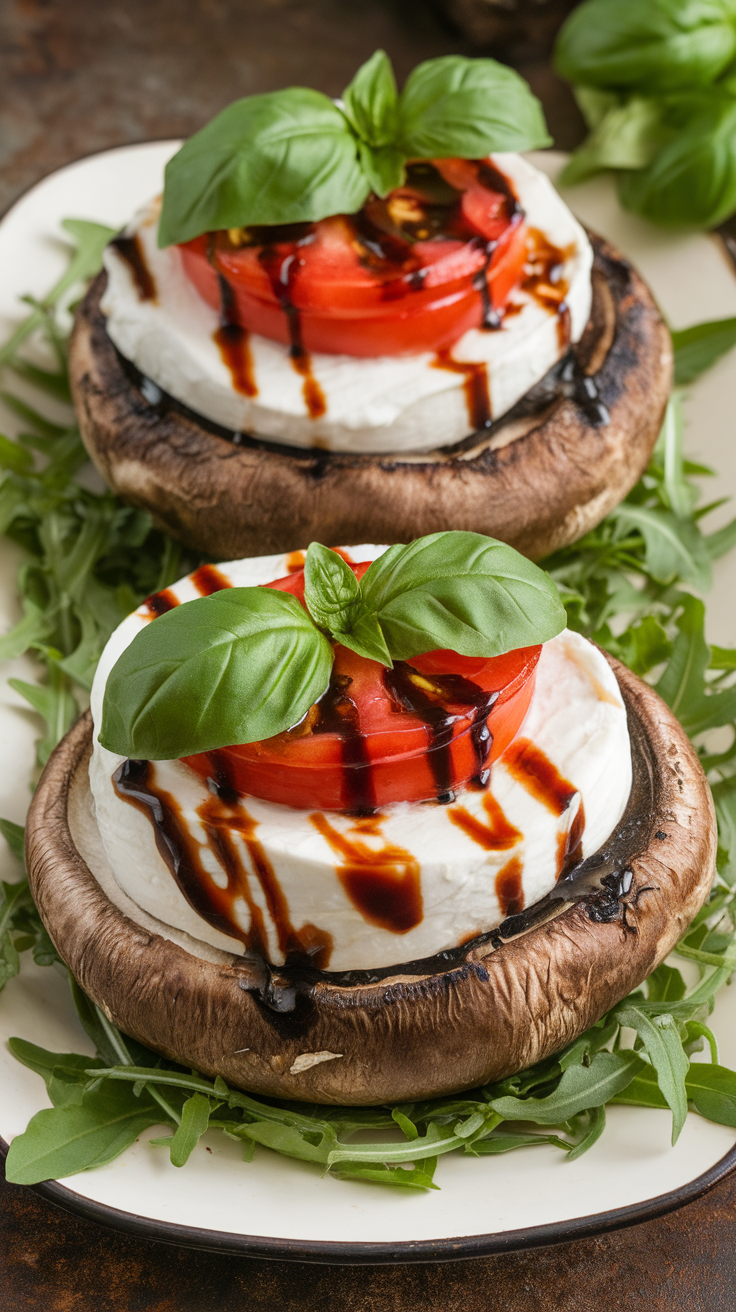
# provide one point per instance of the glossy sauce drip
(535, 772)
(231, 338)
(544, 281)
(570, 845)
(338, 714)
(509, 891)
(220, 815)
(160, 602)
(282, 267)
(425, 698)
(497, 835)
(477, 395)
(208, 579)
(131, 250)
(383, 885)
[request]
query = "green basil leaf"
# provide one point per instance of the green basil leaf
(282, 157)
(468, 107)
(627, 138)
(371, 101)
(461, 591)
(241, 665)
(691, 182)
(383, 167)
(663, 1044)
(697, 348)
(330, 588)
(654, 46)
(580, 1089)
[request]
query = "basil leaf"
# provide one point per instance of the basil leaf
(697, 348)
(330, 588)
(282, 157)
(371, 101)
(655, 46)
(461, 591)
(238, 666)
(383, 167)
(468, 107)
(692, 180)
(627, 138)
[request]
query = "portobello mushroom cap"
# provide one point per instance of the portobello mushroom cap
(455, 1021)
(542, 475)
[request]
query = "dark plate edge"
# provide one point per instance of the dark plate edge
(330, 1253)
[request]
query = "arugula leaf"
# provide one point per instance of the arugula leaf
(246, 662)
(461, 591)
(73, 1137)
(698, 347)
(661, 1040)
(712, 1089)
(673, 547)
(579, 1089)
(468, 107)
(659, 45)
(195, 1117)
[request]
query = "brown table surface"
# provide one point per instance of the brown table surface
(79, 76)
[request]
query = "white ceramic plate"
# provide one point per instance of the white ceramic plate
(274, 1206)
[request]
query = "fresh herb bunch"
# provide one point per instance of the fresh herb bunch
(249, 662)
(295, 155)
(656, 83)
(628, 584)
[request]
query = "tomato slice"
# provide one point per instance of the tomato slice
(409, 273)
(415, 733)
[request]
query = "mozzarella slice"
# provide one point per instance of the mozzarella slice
(390, 403)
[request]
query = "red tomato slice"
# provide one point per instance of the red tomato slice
(418, 732)
(399, 277)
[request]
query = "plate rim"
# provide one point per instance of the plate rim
(371, 1253)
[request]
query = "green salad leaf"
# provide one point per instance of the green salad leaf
(296, 156)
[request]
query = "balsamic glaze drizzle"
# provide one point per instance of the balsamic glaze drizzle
(131, 250)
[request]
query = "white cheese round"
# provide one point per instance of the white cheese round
(390, 403)
(576, 718)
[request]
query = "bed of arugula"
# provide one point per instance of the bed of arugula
(634, 585)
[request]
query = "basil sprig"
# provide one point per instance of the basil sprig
(656, 85)
(295, 155)
(247, 663)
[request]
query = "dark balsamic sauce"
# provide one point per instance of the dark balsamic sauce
(160, 602)
(497, 835)
(338, 714)
(428, 699)
(281, 262)
(208, 579)
(231, 337)
(220, 814)
(509, 889)
(131, 250)
(384, 884)
(570, 845)
(477, 395)
(535, 772)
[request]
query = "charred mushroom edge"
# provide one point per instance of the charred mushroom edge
(421, 1029)
(560, 475)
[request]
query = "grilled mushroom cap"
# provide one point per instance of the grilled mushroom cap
(411, 1031)
(545, 473)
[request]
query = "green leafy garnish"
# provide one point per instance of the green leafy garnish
(295, 155)
(247, 663)
(656, 86)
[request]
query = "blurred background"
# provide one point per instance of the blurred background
(80, 76)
